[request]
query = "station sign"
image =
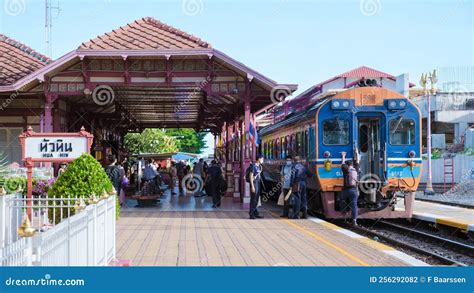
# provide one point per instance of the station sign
(54, 147)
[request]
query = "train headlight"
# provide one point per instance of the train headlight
(326, 154)
(396, 104)
(340, 104)
(327, 165)
(411, 154)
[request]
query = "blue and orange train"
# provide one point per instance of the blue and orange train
(377, 127)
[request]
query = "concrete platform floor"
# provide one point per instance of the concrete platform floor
(182, 234)
(457, 217)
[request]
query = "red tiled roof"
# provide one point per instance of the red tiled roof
(145, 33)
(18, 60)
(364, 71)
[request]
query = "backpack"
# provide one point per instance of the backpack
(113, 172)
(351, 177)
(247, 173)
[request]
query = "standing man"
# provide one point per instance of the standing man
(215, 174)
(173, 177)
(114, 174)
(301, 174)
(255, 180)
(198, 172)
(287, 176)
(350, 191)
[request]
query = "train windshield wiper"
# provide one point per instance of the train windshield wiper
(398, 124)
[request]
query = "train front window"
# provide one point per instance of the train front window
(402, 131)
(336, 132)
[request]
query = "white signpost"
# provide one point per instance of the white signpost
(57, 147)
(51, 147)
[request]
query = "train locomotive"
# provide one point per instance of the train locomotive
(377, 127)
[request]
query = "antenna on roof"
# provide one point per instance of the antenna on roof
(48, 25)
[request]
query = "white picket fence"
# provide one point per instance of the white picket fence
(84, 239)
(463, 169)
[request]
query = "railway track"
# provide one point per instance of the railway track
(430, 248)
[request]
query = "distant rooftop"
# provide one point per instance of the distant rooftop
(145, 33)
(18, 60)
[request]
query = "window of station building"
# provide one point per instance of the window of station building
(402, 131)
(10, 145)
(335, 132)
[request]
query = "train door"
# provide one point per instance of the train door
(370, 147)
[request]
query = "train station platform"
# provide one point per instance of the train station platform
(186, 231)
(441, 214)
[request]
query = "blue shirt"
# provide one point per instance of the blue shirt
(149, 173)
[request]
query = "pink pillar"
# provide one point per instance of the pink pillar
(56, 117)
(48, 117)
(237, 164)
(254, 146)
(245, 158)
(229, 162)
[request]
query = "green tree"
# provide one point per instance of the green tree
(151, 140)
(188, 140)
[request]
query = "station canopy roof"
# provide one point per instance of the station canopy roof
(160, 76)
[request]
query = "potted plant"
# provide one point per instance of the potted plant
(84, 179)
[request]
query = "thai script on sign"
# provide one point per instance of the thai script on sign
(55, 146)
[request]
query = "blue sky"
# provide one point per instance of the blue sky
(301, 42)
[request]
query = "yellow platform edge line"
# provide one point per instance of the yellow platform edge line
(328, 243)
(453, 223)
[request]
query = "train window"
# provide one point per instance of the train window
(305, 144)
(402, 131)
(271, 149)
(363, 138)
(277, 148)
(293, 145)
(298, 144)
(336, 132)
(283, 148)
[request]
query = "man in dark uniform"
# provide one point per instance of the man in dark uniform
(215, 174)
(301, 203)
(255, 187)
(350, 191)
